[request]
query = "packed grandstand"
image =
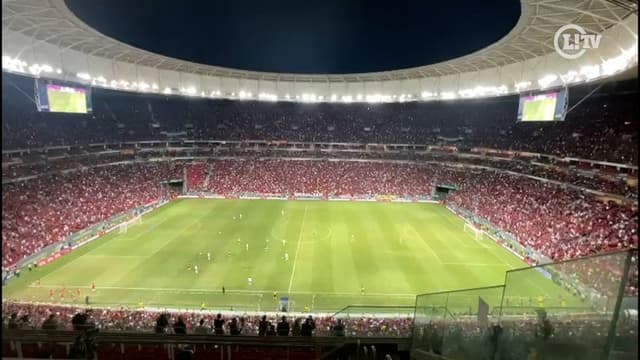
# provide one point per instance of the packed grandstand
(560, 197)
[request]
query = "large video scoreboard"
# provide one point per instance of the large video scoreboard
(546, 106)
(58, 97)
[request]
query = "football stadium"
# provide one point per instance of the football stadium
(309, 199)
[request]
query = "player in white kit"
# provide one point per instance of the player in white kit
(246, 246)
(209, 257)
(195, 268)
(286, 256)
(249, 280)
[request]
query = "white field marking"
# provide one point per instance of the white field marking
(116, 256)
(295, 257)
(99, 246)
(231, 291)
(471, 264)
(407, 225)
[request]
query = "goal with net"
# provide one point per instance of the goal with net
(474, 231)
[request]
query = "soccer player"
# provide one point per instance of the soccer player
(188, 267)
(275, 295)
(286, 256)
(195, 268)
(93, 286)
(240, 216)
(247, 246)
(282, 212)
(223, 290)
(362, 291)
(78, 292)
(209, 257)
(249, 280)
(284, 242)
(51, 294)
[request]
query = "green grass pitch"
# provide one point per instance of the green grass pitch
(392, 250)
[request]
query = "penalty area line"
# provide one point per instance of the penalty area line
(295, 257)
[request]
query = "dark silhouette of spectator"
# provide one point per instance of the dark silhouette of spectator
(338, 329)
(272, 330)
(51, 323)
(307, 327)
(283, 327)
(162, 323)
(263, 326)
(179, 327)
(218, 325)
(234, 328)
(13, 321)
(295, 329)
(79, 321)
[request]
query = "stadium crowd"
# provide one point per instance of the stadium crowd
(561, 223)
(601, 128)
(43, 211)
(459, 337)
(32, 316)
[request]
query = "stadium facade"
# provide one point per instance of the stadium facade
(44, 38)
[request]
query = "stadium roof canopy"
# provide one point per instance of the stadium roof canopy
(44, 38)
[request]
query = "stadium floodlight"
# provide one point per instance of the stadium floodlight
(154, 86)
(546, 80)
(286, 96)
(334, 97)
(268, 97)
(359, 97)
(308, 97)
(166, 90)
(347, 98)
(522, 85)
(615, 65)
(83, 76)
(448, 95)
(378, 98)
(428, 94)
(569, 77)
(11, 64)
(590, 71)
(320, 97)
(59, 71)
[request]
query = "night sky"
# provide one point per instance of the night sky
(320, 37)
